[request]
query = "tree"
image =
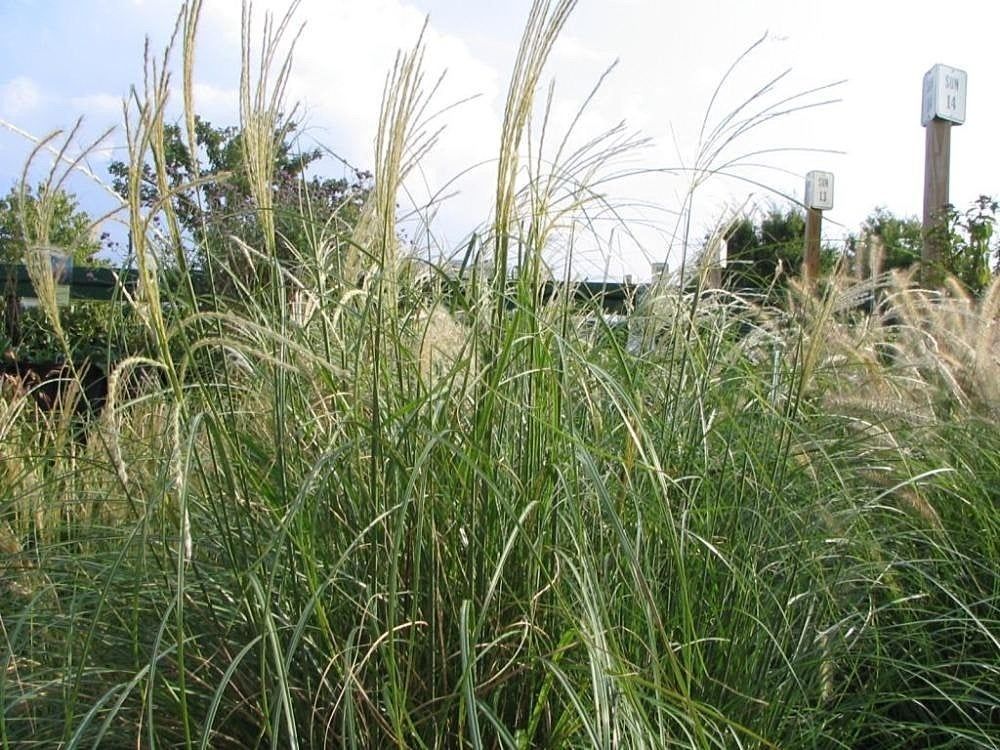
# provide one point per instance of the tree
(966, 251)
(762, 256)
(37, 217)
(901, 238)
(221, 207)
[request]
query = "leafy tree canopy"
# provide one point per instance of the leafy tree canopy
(970, 242)
(222, 206)
(902, 238)
(762, 254)
(53, 217)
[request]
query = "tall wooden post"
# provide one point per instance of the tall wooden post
(937, 165)
(943, 105)
(818, 197)
(814, 230)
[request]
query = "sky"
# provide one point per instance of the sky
(62, 59)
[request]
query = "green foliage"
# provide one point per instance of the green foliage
(220, 206)
(96, 331)
(63, 225)
(902, 238)
(965, 251)
(966, 255)
(762, 255)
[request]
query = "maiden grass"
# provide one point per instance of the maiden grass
(405, 520)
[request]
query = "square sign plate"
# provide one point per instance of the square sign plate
(819, 190)
(944, 95)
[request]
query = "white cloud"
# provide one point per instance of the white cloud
(19, 97)
(216, 103)
(571, 49)
(97, 105)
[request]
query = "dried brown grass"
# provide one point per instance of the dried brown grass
(919, 352)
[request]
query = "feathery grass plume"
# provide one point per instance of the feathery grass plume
(144, 131)
(919, 351)
(545, 21)
(563, 191)
(145, 135)
(41, 262)
(952, 340)
(40, 256)
(262, 92)
(114, 413)
(405, 134)
(189, 37)
(443, 347)
(714, 154)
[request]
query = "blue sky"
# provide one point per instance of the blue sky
(62, 58)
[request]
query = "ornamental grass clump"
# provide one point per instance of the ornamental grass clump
(920, 352)
(431, 513)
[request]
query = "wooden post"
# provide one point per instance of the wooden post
(937, 163)
(818, 197)
(814, 230)
(943, 105)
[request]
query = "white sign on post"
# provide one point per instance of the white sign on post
(819, 190)
(944, 95)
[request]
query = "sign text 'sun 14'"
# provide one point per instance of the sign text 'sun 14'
(944, 95)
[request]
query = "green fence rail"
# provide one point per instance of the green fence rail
(101, 283)
(93, 283)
